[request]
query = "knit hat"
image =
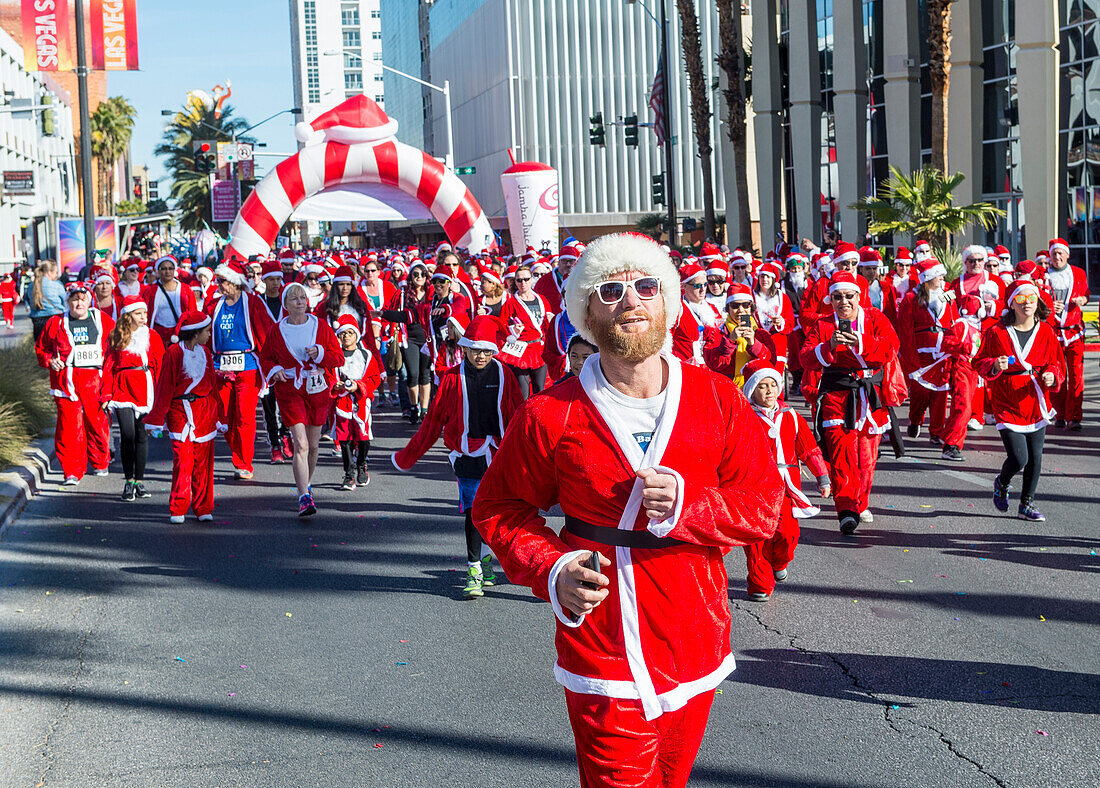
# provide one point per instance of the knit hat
(485, 332)
(191, 320)
(756, 371)
(616, 254)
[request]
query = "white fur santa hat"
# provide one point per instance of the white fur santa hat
(357, 120)
(1057, 243)
(615, 254)
(232, 271)
(756, 371)
(929, 268)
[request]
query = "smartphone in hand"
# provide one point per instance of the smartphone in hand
(593, 563)
(745, 321)
(845, 325)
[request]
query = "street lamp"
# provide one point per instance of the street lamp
(445, 90)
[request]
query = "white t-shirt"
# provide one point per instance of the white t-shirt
(638, 415)
(299, 338)
(163, 315)
(1061, 282)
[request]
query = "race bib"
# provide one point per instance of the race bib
(315, 381)
(514, 348)
(231, 362)
(87, 356)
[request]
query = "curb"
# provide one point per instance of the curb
(22, 482)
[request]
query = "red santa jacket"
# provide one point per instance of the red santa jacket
(531, 334)
(723, 358)
(691, 338)
(8, 293)
(662, 636)
(1017, 397)
(550, 288)
(847, 394)
(185, 404)
(275, 356)
(257, 322)
(929, 345)
(153, 296)
(386, 293)
(986, 287)
(1069, 327)
(83, 361)
(555, 349)
(363, 371)
(769, 308)
(464, 286)
(448, 414)
(130, 374)
(793, 441)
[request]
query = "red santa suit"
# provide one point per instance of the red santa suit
(692, 336)
(186, 408)
(638, 685)
(990, 290)
(850, 409)
(1066, 285)
(9, 297)
(929, 347)
(1018, 398)
(555, 350)
(306, 397)
(130, 374)
(83, 431)
(768, 309)
(165, 309)
(524, 350)
(357, 380)
(550, 287)
(239, 389)
(731, 354)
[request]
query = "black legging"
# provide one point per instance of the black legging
(38, 325)
(276, 430)
(135, 443)
(473, 538)
(1025, 450)
(531, 381)
(418, 366)
(361, 450)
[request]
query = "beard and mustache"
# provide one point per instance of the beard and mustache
(611, 339)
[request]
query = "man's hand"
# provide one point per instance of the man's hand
(56, 364)
(573, 596)
(281, 377)
(658, 493)
(1048, 379)
(842, 338)
(745, 332)
(1059, 308)
(1001, 363)
(778, 323)
(314, 352)
(826, 491)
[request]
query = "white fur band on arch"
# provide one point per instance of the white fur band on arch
(756, 377)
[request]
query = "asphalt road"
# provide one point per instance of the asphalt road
(946, 645)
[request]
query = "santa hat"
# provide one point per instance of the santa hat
(132, 263)
(343, 273)
(869, 256)
(923, 247)
(491, 275)
(756, 371)
(459, 319)
(312, 268)
(1019, 287)
(1042, 255)
(1028, 270)
(132, 304)
(971, 306)
(271, 269)
(77, 286)
(690, 272)
(356, 120)
(929, 269)
(571, 251)
(616, 254)
(348, 323)
(976, 249)
(1001, 251)
(904, 255)
(1057, 243)
(739, 293)
(540, 266)
(232, 271)
(845, 251)
(484, 332)
(843, 280)
(771, 268)
(204, 274)
(797, 258)
(443, 247)
(710, 253)
(191, 320)
(287, 255)
(510, 272)
(104, 274)
(170, 258)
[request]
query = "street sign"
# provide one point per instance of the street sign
(465, 170)
(227, 153)
(18, 181)
(223, 201)
(244, 151)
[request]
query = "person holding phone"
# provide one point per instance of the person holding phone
(697, 480)
(1022, 362)
(742, 340)
(849, 348)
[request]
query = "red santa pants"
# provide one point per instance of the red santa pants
(1069, 400)
(977, 402)
(921, 400)
(852, 470)
(237, 398)
(964, 384)
(617, 747)
(767, 557)
(192, 478)
(83, 430)
(9, 313)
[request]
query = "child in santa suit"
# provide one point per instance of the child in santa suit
(129, 385)
(793, 441)
(9, 297)
(474, 404)
(357, 381)
(186, 407)
(72, 347)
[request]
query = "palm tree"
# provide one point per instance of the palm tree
(700, 104)
(190, 188)
(939, 71)
(652, 224)
(731, 59)
(922, 204)
(112, 124)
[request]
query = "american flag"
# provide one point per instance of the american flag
(657, 98)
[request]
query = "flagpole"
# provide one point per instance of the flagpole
(670, 190)
(85, 137)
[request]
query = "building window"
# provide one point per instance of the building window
(376, 13)
(349, 16)
(378, 77)
(353, 80)
(379, 97)
(376, 35)
(377, 56)
(353, 60)
(352, 39)
(314, 96)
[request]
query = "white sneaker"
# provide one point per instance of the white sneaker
(206, 518)
(176, 519)
(70, 481)
(866, 517)
(100, 472)
(974, 425)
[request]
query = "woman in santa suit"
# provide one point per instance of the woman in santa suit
(299, 359)
(527, 316)
(72, 347)
(130, 282)
(186, 407)
(742, 341)
(167, 299)
(1022, 362)
(849, 348)
(774, 312)
(696, 329)
(129, 384)
(104, 291)
(979, 281)
(411, 307)
(9, 297)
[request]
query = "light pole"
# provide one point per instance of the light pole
(85, 136)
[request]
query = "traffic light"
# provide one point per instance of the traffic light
(595, 129)
(48, 128)
(206, 155)
(630, 124)
(658, 190)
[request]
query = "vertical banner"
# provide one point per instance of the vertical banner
(531, 198)
(114, 35)
(47, 45)
(70, 241)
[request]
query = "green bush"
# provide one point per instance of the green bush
(26, 407)
(13, 433)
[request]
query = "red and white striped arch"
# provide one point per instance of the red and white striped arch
(318, 167)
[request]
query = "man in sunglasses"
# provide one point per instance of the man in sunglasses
(660, 468)
(696, 329)
(552, 285)
(1070, 288)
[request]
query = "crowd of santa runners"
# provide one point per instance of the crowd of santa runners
(834, 348)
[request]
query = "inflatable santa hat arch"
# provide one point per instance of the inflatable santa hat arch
(354, 143)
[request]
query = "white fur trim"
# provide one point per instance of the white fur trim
(615, 254)
(478, 344)
(853, 256)
(739, 298)
(853, 286)
(133, 308)
(1063, 247)
(231, 276)
(756, 377)
(932, 273)
(661, 528)
(551, 587)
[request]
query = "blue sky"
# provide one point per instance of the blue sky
(198, 44)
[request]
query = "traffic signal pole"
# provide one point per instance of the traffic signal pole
(85, 137)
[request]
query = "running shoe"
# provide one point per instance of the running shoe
(780, 575)
(176, 519)
(70, 481)
(128, 492)
(1059, 424)
(952, 454)
(974, 425)
(1027, 511)
(349, 481)
(1074, 426)
(935, 440)
(866, 517)
(362, 478)
(306, 507)
(759, 596)
(913, 431)
(206, 518)
(100, 471)
(140, 491)
(277, 457)
(849, 522)
(240, 474)
(488, 578)
(474, 583)
(1000, 495)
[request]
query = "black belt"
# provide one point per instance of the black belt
(618, 537)
(142, 369)
(191, 397)
(835, 380)
(1009, 373)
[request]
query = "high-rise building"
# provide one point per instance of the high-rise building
(336, 50)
